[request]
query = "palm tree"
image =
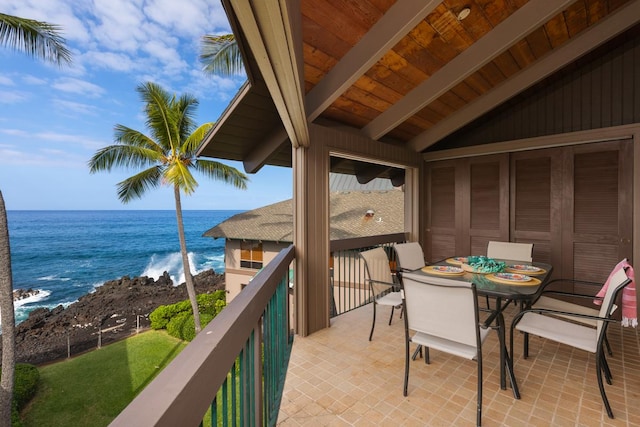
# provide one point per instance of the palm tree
(221, 55)
(168, 156)
(43, 41)
(36, 38)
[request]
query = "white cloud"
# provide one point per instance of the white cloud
(6, 81)
(12, 97)
(33, 80)
(14, 132)
(113, 61)
(75, 107)
(77, 86)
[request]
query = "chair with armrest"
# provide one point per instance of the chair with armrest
(510, 250)
(553, 325)
(442, 314)
(381, 282)
(409, 256)
(549, 300)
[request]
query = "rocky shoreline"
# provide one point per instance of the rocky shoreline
(114, 311)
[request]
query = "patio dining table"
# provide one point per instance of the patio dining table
(504, 293)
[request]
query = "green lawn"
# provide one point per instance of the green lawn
(92, 389)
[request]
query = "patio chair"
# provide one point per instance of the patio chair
(544, 323)
(409, 256)
(546, 301)
(509, 250)
(384, 289)
(442, 314)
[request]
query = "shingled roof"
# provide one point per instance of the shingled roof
(274, 222)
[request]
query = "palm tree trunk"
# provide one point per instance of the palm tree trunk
(191, 290)
(8, 320)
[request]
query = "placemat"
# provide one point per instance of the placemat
(456, 260)
(527, 272)
(531, 282)
(430, 270)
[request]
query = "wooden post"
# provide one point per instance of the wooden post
(100, 337)
(68, 346)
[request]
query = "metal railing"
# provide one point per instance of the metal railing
(349, 289)
(234, 368)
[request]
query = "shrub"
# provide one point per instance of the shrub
(211, 304)
(182, 326)
(164, 313)
(24, 388)
(26, 383)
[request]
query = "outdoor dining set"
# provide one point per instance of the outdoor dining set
(453, 305)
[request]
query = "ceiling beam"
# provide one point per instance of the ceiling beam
(401, 18)
(260, 153)
(612, 25)
(272, 29)
(525, 20)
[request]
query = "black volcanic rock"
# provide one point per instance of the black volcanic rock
(106, 315)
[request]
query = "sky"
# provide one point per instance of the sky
(53, 119)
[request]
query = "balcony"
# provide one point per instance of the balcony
(243, 370)
(336, 377)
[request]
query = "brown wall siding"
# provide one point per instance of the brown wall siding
(311, 227)
(601, 90)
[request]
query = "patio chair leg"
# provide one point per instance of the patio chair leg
(415, 353)
(606, 342)
(606, 370)
(601, 385)
(406, 368)
(391, 317)
(526, 345)
(427, 360)
(479, 404)
(487, 299)
(373, 323)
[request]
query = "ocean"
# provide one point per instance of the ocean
(67, 254)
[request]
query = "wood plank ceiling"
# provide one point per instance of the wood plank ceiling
(332, 28)
(405, 72)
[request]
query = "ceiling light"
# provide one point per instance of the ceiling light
(464, 13)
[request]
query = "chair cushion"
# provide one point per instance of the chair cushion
(392, 298)
(562, 331)
(448, 346)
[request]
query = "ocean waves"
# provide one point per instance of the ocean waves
(67, 254)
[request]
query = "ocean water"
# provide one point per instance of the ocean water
(67, 254)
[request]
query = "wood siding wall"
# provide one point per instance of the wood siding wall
(602, 90)
(311, 214)
(573, 203)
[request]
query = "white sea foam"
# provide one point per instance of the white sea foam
(51, 278)
(172, 264)
(215, 262)
(33, 298)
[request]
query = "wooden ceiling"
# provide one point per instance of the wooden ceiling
(405, 72)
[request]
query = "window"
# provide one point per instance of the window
(251, 255)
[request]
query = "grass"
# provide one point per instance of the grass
(92, 389)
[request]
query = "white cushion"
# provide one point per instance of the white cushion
(579, 336)
(392, 298)
(448, 346)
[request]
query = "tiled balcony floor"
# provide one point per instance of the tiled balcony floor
(336, 377)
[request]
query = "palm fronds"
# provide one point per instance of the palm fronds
(135, 186)
(221, 55)
(222, 172)
(36, 38)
